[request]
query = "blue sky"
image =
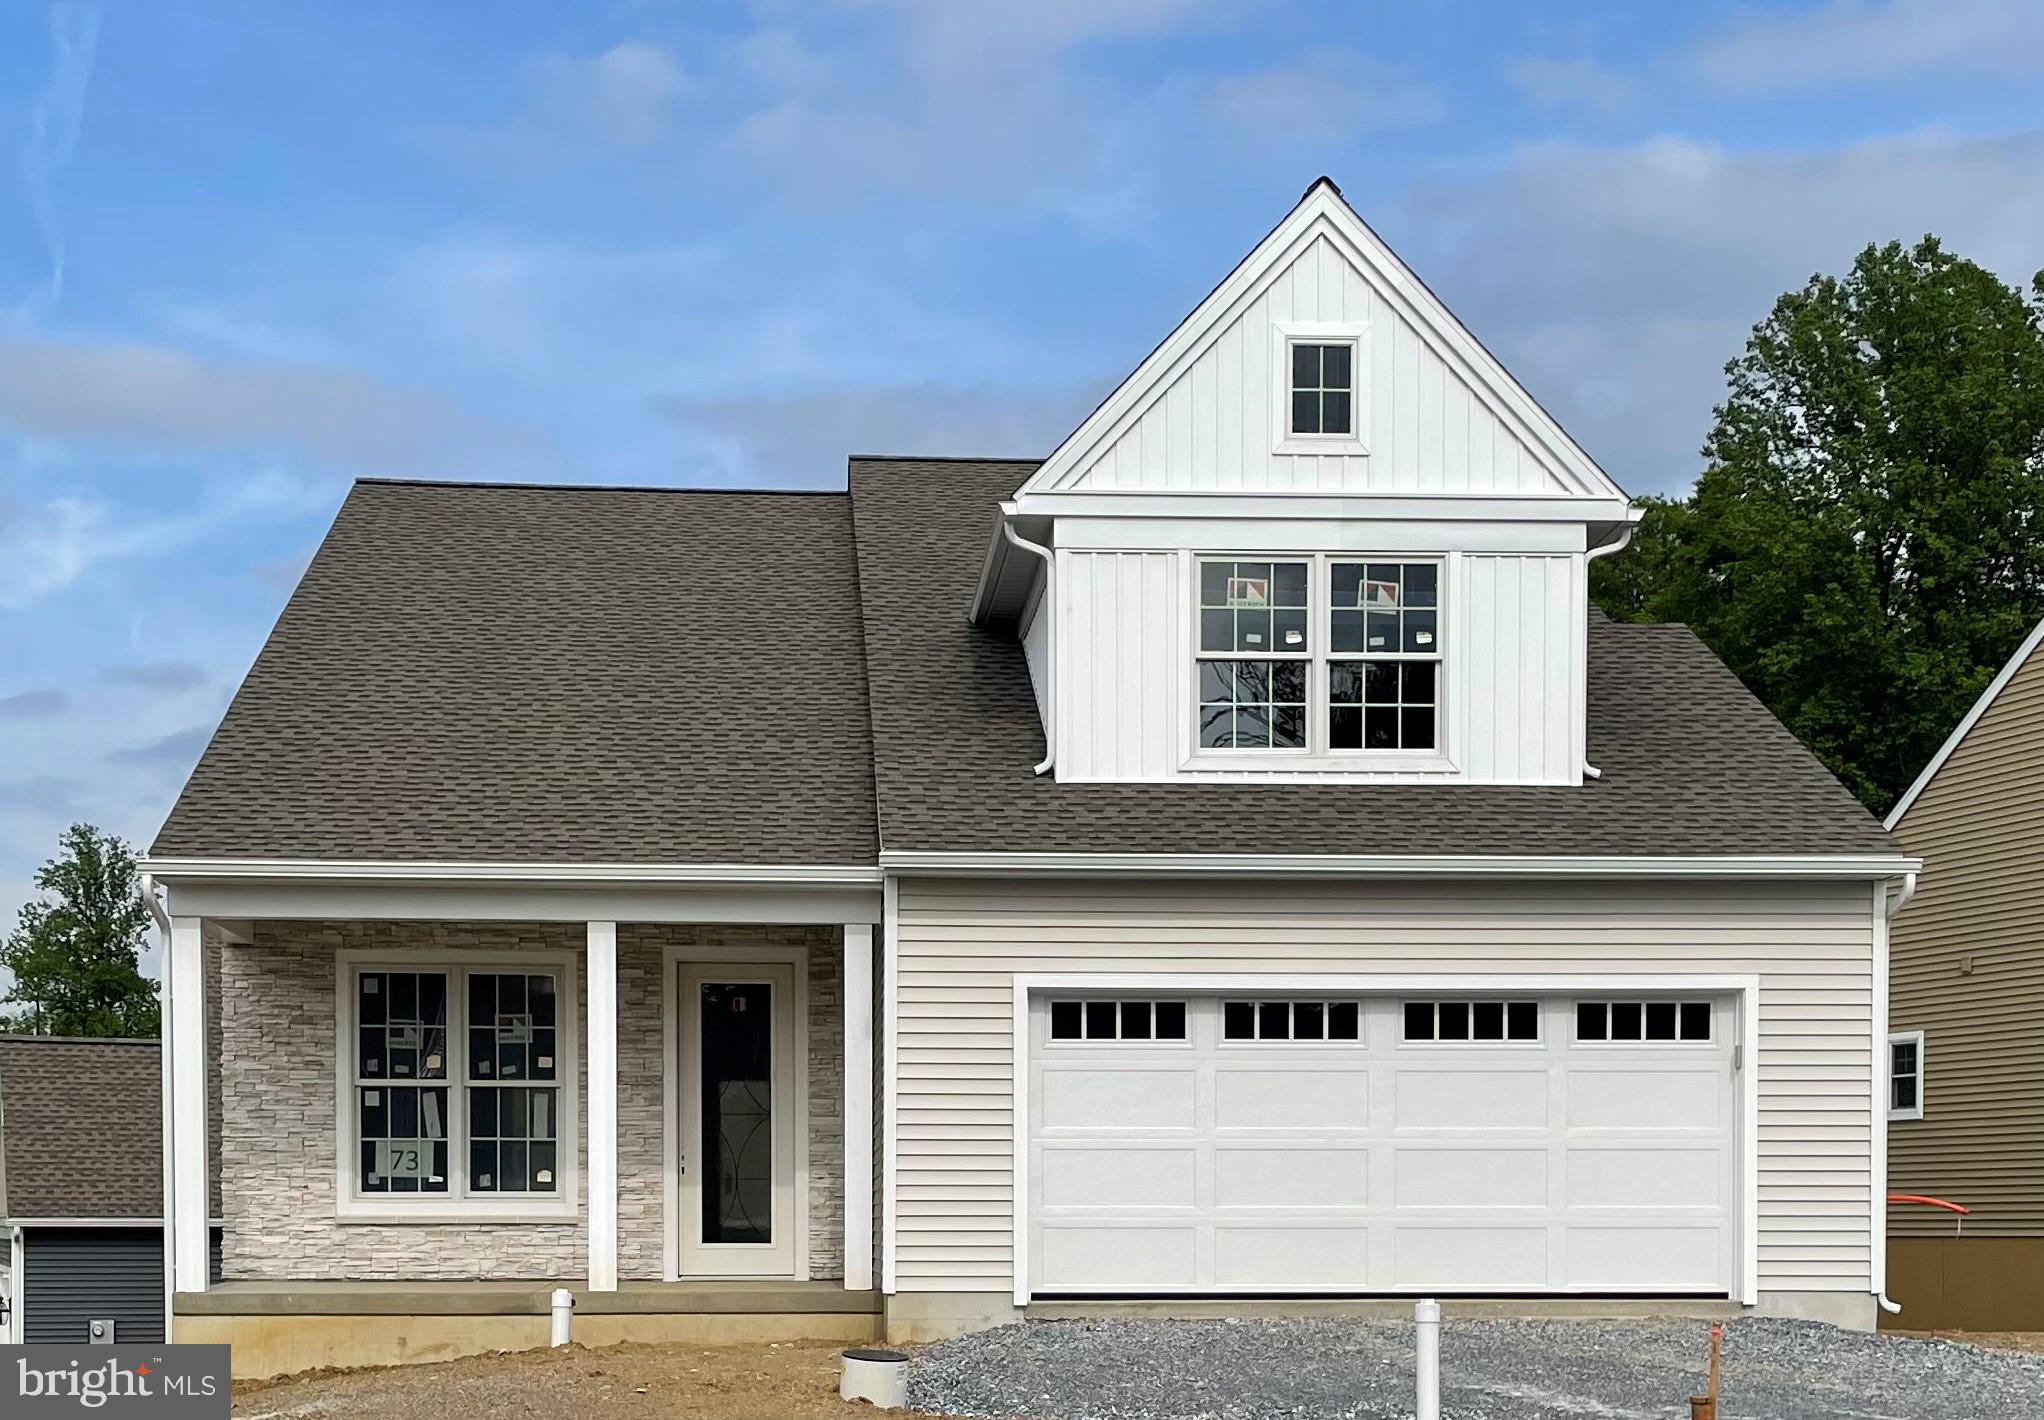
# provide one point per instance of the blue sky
(249, 251)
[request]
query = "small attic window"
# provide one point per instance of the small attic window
(1323, 387)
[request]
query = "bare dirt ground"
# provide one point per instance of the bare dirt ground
(794, 1380)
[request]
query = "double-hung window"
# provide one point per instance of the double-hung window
(460, 1082)
(1323, 655)
(1905, 1075)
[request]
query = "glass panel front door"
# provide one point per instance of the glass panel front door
(738, 1112)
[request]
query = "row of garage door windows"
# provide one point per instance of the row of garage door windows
(1425, 1021)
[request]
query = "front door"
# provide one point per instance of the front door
(737, 1119)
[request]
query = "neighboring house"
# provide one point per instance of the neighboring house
(81, 1189)
(1966, 1018)
(1226, 857)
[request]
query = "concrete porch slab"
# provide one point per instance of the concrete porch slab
(534, 1298)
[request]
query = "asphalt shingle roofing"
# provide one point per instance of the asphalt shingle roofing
(81, 1123)
(518, 674)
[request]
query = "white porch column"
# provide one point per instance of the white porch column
(858, 1114)
(185, 1030)
(603, 1106)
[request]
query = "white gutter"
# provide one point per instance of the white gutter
(1885, 909)
(1355, 865)
(146, 888)
(194, 869)
(1617, 544)
(1050, 639)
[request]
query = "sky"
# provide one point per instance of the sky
(251, 251)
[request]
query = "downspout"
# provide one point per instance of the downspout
(146, 887)
(1885, 910)
(1049, 644)
(1617, 544)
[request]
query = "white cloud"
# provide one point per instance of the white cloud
(1330, 93)
(624, 96)
(157, 397)
(54, 123)
(1579, 82)
(1855, 42)
(1617, 281)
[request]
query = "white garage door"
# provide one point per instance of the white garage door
(1253, 1144)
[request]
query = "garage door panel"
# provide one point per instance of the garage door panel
(1666, 1258)
(1253, 1097)
(1645, 1178)
(1092, 1098)
(1264, 1259)
(1685, 1100)
(1132, 1177)
(1470, 1178)
(1127, 1258)
(1471, 1099)
(1503, 1259)
(1255, 1176)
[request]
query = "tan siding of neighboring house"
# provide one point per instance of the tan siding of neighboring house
(963, 942)
(1968, 971)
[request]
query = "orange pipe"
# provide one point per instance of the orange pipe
(1944, 1203)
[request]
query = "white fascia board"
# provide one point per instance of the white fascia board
(174, 870)
(1361, 865)
(1324, 212)
(1311, 504)
(1987, 697)
(1335, 535)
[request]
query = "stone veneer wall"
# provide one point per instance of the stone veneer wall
(277, 1121)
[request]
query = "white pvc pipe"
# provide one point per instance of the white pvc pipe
(1427, 1360)
(878, 1377)
(564, 1316)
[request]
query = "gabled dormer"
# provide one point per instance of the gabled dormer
(1319, 533)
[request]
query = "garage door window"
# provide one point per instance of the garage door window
(1291, 1020)
(1117, 1020)
(1643, 1022)
(1454, 1021)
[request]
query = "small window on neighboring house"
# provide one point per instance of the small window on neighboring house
(1905, 1075)
(1323, 388)
(1117, 1020)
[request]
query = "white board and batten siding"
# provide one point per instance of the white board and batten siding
(1425, 421)
(963, 943)
(1513, 670)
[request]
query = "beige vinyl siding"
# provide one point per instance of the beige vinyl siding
(962, 943)
(1966, 956)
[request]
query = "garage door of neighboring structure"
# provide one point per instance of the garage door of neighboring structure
(1246, 1144)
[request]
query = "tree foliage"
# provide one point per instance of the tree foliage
(1863, 547)
(76, 956)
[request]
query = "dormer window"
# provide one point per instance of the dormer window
(1325, 656)
(1323, 388)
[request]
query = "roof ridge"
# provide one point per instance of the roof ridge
(532, 487)
(941, 458)
(11, 1037)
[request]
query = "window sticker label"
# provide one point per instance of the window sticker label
(515, 1030)
(404, 1158)
(1248, 591)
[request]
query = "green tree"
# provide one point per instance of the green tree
(76, 959)
(1863, 547)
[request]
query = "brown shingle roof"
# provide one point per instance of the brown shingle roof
(521, 674)
(1693, 765)
(81, 1123)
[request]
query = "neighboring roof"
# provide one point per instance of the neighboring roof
(500, 673)
(1987, 698)
(81, 1128)
(1693, 765)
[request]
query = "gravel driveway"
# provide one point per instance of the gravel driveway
(1490, 1370)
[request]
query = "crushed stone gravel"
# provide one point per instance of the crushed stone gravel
(1490, 1370)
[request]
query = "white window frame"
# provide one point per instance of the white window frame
(1540, 1006)
(1316, 753)
(1286, 334)
(1904, 1037)
(457, 1205)
(1083, 1041)
(1291, 1003)
(1680, 1042)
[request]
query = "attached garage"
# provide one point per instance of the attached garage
(1243, 1141)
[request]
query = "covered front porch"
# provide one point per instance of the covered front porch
(432, 1095)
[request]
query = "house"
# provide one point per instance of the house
(1966, 1011)
(1227, 857)
(81, 1190)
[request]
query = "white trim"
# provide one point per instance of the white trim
(1746, 988)
(16, 1264)
(1895, 1038)
(856, 993)
(1284, 335)
(890, 1085)
(455, 1207)
(189, 869)
(185, 959)
(88, 1222)
(602, 1047)
(1322, 212)
(1385, 865)
(1987, 696)
(711, 954)
(693, 904)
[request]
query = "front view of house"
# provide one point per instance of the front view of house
(1226, 859)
